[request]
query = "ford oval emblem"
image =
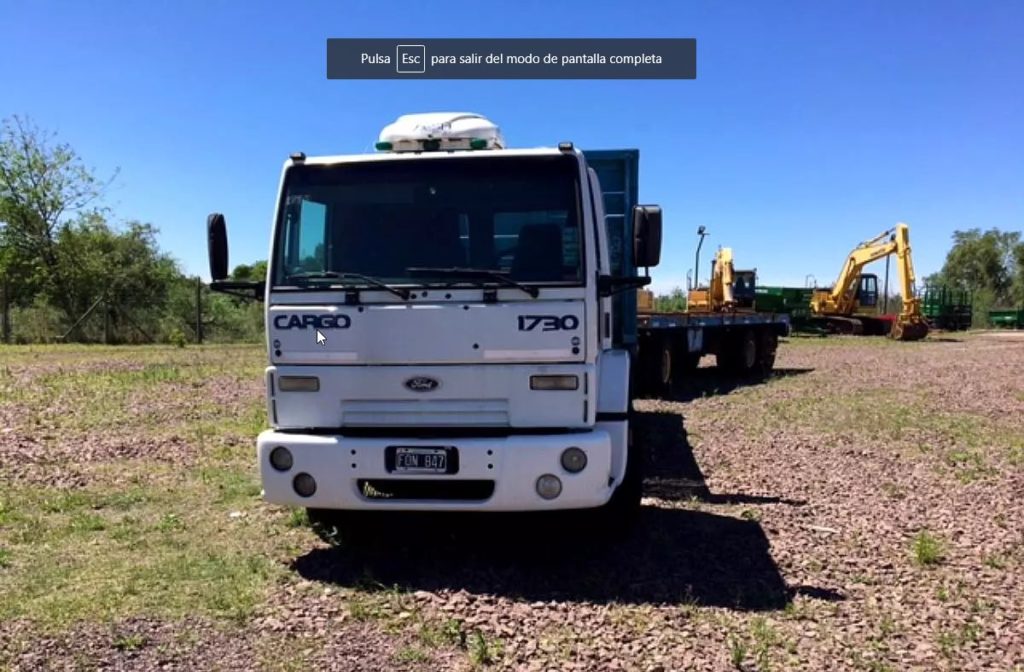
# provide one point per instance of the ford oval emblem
(422, 384)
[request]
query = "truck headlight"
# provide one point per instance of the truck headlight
(298, 384)
(554, 382)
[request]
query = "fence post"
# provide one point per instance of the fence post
(6, 310)
(106, 322)
(199, 310)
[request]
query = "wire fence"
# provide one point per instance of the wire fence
(191, 313)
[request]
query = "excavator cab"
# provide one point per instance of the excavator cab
(744, 288)
(867, 291)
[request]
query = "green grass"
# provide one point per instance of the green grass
(484, 650)
(967, 446)
(928, 550)
(77, 389)
(145, 536)
(737, 652)
(80, 556)
(411, 654)
(436, 634)
(129, 642)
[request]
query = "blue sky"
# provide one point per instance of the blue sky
(810, 126)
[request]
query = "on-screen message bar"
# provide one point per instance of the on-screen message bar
(520, 58)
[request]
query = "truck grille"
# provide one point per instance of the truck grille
(425, 413)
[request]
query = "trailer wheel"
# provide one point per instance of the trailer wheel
(686, 363)
(739, 354)
(656, 368)
(767, 346)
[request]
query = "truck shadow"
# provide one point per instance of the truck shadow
(708, 382)
(672, 556)
(671, 470)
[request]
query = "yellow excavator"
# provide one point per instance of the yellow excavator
(843, 306)
(729, 290)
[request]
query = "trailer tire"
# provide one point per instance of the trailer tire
(656, 368)
(686, 363)
(767, 346)
(738, 355)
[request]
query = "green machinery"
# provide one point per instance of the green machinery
(794, 301)
(947, 308)
(1007, 319)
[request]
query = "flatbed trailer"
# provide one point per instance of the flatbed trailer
(671, 346)
(666, 347)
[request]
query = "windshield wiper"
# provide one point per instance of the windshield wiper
(473, 274)
(370, 280)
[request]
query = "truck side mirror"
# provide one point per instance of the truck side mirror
(646, 235)
(217, 245)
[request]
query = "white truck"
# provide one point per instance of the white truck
(451, 326)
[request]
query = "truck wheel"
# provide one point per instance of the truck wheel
(622, 510)
(338, 528)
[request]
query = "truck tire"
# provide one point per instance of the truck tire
(620, 514)
(338, 528)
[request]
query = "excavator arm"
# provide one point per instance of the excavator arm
(840, 299)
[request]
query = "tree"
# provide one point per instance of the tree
(989, 264)
(44, 186)
(673, 302)
(255, 271)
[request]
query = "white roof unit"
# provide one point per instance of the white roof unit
(440, 131)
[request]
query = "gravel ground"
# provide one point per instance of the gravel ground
(862, 510)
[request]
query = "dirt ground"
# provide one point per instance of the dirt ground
(862, 510)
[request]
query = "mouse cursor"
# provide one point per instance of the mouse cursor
(320, 338)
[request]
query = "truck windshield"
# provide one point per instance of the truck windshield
(509, 216)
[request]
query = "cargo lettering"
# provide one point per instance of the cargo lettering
(312, 321)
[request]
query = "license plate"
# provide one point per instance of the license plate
(422, 460)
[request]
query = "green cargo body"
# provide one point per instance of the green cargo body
(1006, 319)
(947, 308)
(793, 300)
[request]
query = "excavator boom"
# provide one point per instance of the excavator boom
(719, 294)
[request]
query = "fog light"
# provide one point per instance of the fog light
(299, 384)
(554, 382)
(304, 484)
(549, 486)
(574, 460)
(281, 458)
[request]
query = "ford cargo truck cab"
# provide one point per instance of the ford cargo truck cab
(447, 324)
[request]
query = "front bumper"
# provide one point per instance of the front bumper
(340, 464)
